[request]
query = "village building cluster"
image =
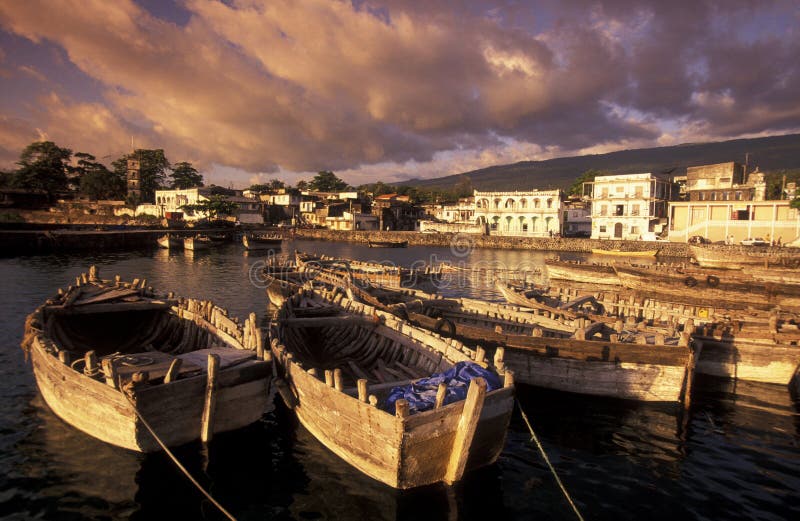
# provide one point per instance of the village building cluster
(716, 203)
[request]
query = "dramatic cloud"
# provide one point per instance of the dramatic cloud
(391, 90)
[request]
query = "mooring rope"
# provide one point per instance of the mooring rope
(178, 463)
(547, 460)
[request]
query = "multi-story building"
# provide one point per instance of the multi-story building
(172, 203)
(576, 218)
(533, 213)
(724, 206)
(629, 206)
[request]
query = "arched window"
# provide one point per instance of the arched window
(536, 203)
(523, 203)
(549, 203)
(510, 203)
(497, 203)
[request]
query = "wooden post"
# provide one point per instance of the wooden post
(90, 363)
(441, 391)
(401, 409)
(328, 377)
(207, 425)
(362, 390)
(467, 424)
(480, 355)
(110, 372)
(63, 356)
(174, 369)
(259, 342)
(337, 379)
(94, 274)
(499, 355)
(373, 400)
(508, 381)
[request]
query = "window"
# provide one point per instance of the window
(619, 210)
(536, 203)
(738, 196)
(549, 203)
(634, 229)
(604, 210)
(638, 191)
(604, 192)
(701, 196)
(635, 209)
(523, 203)
(620, 189)
(602, 229)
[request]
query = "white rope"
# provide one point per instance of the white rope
(547, 460)
(178, 463)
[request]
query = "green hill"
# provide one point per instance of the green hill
(768, 154)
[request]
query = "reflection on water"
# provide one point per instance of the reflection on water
(733, 456)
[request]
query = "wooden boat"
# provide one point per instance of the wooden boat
(582, 272)
(170, 241)
(736, 258)
(720, 291)
(261, 242)
(621, 253)
(375, 273)
(196, 243)
(553, 351)
(387, 244)
(340, 361)
(109, 356)
(769, 355)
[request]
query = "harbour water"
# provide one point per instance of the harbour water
(734, 455)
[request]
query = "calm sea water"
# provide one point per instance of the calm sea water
(733, 456)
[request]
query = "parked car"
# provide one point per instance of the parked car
(698, 239)
(758, 241)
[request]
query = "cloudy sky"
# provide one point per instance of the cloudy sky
(250, 90)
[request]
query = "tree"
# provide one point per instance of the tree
(587, 177)
(216, 205)
(776, 182)
(184, 176)
(96, 181)
(302, 185)
(326, 181)
(153, 166)
(43, 165)
(259, 188)
(464, 187)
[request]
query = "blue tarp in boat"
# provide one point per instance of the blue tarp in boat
(421, 395)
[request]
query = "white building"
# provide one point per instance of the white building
(171, 202)
(629, 206)
(534, 213)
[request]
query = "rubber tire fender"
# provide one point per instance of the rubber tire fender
(712, 281)
(690, 281)
(444, 324)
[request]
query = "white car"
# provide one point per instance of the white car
(758, 241)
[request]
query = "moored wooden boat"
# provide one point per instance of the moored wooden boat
(737, 258)
(387, 244)
(261, 242)
(196, 243)
(582, 272)
(108, 356)
(576, 355)
(621, 253)
(339, 371)
(170, 241)
(375, 273)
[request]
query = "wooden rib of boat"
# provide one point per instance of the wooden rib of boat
(196, 243)
(103, 351)
(578, 356)
(280, 285)
(582, 272)
(621, 253)
(387, 244)
(261, 242)
(339, 370)
(169, 241)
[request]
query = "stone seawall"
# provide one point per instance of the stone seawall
(669, 249)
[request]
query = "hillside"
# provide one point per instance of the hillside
(769, 154)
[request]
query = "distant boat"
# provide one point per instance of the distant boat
(111, 358)
(196, 243)
(733, 258)
(620, 253)
(582, 272)
(261, 242)
(170, 241)
(388, 244)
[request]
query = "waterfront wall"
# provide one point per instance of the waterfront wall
(445, 240)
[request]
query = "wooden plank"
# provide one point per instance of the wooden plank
(207, 425)
(467, 425)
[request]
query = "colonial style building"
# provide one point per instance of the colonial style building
(724, 206)
(629, 206)
(532, 213)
